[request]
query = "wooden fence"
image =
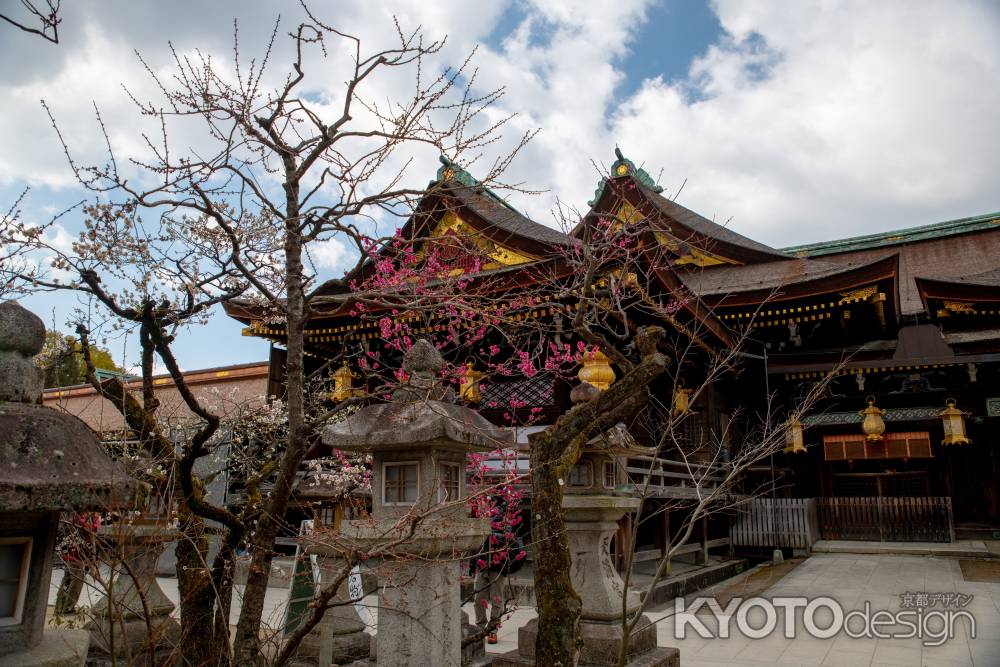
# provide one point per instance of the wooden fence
(781, 522)
(886, 519)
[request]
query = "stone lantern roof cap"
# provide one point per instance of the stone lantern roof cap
(420, 412)
(618, 441)
(49, 460)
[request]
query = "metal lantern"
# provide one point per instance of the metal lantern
(872, 426)
(682, 401)
(343, 381)
(597, 370)
(793, 438)
(953, 421)
(469, 384)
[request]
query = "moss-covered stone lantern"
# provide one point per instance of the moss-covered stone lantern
(50, 462)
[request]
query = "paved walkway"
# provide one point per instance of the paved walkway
(851, 580)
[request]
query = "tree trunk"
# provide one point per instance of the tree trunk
(556, 601)
(197, 596)
(246, 650)
(552, 453)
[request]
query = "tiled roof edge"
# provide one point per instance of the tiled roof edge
(897, 237)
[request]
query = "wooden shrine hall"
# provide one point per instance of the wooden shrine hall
(903, 329)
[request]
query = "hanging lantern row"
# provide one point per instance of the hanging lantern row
(469, 384)
(343, 384)
(682, 401)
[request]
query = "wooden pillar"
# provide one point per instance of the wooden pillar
(703, 557)
(666, 536)
(623, 540)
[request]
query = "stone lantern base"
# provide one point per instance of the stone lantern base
(59, 648)
(591, 520)
(136, 622)
(420, 617)
(601, 645)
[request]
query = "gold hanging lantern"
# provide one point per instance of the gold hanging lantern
(682, 401)
(794, 441)
(469, 384)
(597, 370)
(953, 421)
(343, 381)
(872, 426)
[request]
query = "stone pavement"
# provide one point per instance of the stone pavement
(852, 579)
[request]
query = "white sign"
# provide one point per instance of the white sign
(355, 589)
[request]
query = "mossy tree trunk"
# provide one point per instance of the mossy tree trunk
(553, 452)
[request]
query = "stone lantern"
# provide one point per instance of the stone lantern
(418, 442)
(596, 497)
(51, 462)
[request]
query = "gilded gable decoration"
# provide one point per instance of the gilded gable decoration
(451, 224)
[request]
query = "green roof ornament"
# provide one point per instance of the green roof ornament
(451, 171)
(623, 167)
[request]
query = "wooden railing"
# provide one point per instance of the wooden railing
(781, 522)
(662, 474)
(886, 519)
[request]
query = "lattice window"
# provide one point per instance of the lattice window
(538, 391)
(15, 557)
(909, 444)
(581, 474)
(449, 473)
(400, 483)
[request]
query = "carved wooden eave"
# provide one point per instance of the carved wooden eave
(792, 280)
(957, 299)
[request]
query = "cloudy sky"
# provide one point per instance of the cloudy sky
(791, 121)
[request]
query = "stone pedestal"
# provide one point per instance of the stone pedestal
(340, 636)
(591, 522)
(420, 615)
(135, 621)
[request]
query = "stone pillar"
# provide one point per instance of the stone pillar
(420, 614)
(340, 636)
(134, 621)
(593, 509)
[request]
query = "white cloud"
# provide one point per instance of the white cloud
(808, 120)
(328, 254)
(863, 116)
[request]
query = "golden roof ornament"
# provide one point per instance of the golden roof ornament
(873, 426)
(953, 421)
(597, 370)
(469, 384)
